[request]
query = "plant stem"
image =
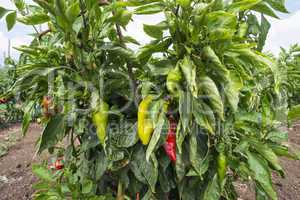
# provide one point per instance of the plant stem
(129, 65)
(120, 195)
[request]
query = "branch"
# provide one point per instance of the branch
(44, 33)
(129, 66)
(82, 14)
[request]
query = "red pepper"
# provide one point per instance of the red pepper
(170, 145)
(59, 164)
(46, 104)
(3, 101)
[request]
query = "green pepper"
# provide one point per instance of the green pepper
(243, 29)
(100, 120)
(222, 167)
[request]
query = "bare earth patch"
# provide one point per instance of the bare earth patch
(16, 177)
(15, 167)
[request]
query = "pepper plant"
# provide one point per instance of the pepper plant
(181, 117)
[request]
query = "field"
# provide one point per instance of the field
(16, 177)
(194, 114)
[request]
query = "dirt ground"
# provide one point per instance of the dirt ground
(16, 178)
(15, 167)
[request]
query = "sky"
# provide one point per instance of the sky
(283, 32)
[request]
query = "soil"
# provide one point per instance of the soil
(16, 178)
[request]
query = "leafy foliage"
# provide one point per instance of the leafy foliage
(225, 96)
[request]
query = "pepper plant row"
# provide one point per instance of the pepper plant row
(182, 117)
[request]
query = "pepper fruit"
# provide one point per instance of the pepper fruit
(222, 166)
(59, 164)
(242, 30)
(170, 145)
(100, 120)
(173, 79)
(145, 125)
(3, 101)
(47, 104)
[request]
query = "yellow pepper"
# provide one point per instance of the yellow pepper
(145, 125)
(100, 120)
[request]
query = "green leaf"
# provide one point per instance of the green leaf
(145, 53)
(221, 25)
(145, 172)
(204, 116)
(260, 194)
(180, 166)
(125, 18)
(198, 155)
(27, 117)
(242, 5)
(153, 31)
(20, 4)
(217, 65)
(73, 12)
(264, 30)
(42, 172)
(213, 190)
(268, 155)
(209, 89)
(11, 20)
(129, 39)
(87, 186)
(101, 165)
(294, 113)
(232, 89)
(160, 67)
(3, 11)
(278, 5)
(53, 132)
(263, 8)
(47, 6)
(159, 127)
(281, 150)
(252, 117)
(34, 19)
(185, 109)
(149, 9)
(261, 174)
(277, 136)
(188, 69)
(126, 137)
